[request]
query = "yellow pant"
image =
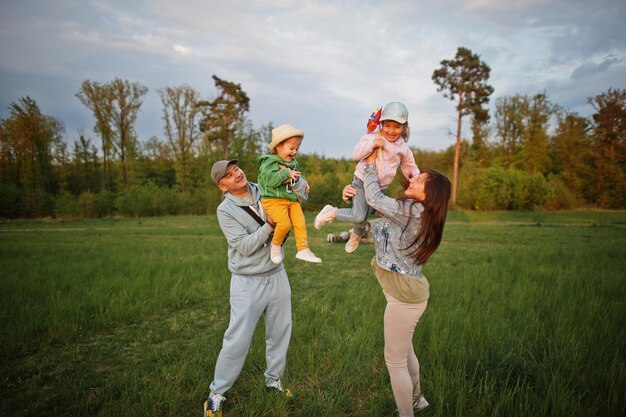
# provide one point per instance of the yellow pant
(287, 214)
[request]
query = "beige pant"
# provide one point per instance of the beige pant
(402, 364)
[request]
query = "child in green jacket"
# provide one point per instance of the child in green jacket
(282, 187)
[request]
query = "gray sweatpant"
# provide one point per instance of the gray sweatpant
(251, 297)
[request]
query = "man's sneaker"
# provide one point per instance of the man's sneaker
(327, 215)
(420, 403)
(213, 405)
(276, 386)
(308, 256)
(352, 243)
(276, 253)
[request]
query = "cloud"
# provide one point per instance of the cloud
(321, 65)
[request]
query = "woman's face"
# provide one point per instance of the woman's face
(392, 130)
(417, 187)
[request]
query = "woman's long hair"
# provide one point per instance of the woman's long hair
(437, 190)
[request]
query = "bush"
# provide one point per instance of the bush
(562, 197)
(11, 202)
(203, 199)
(66, 205)
(139, 201)
(325, 189)
(39, 203)
(511, 189)
(104, 204)
(213, 199)
(87, 203)
(533, 192)
(169, 201)
(493, 190)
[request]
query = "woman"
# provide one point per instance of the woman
(408, 234)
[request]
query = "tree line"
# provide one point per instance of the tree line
(531, 153)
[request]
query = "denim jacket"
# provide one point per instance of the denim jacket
(389, 238)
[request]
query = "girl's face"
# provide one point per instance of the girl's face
(392, 130)
(417, 187)
(288, 149)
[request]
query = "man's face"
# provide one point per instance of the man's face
(234, 181)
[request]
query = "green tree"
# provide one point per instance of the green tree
(246, 145)
(182, 110)
(569, 151)
(609, 147)
(479, 149)
(522, 124)
(156, 163)
(126, 99)
(223, 115)
(95, 96)
(29, 141)
(464, 79)
(84, 172)
(115, 106)
(509, 127)
(537, 113)
(8, 159)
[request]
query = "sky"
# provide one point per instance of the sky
(322, 66)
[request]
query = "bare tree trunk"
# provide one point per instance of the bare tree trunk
(457, 152)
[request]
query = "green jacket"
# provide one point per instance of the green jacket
(271, 176)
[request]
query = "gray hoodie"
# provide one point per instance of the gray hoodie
(248, 242)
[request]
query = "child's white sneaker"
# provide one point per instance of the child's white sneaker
(352, 243)
(308, 256)
(276, 253)
(327, 215)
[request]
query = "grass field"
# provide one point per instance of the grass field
(125, 317)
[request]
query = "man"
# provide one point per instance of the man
(257, 287)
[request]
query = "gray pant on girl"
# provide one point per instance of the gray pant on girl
(357, 214)
(250, 298)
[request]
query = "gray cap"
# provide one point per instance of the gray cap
(395, 111)
(219, 169)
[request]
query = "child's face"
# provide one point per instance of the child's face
(392, 130)
(288, 149)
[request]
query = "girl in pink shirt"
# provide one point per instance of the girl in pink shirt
(390, 140)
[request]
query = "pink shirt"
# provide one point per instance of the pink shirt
(395, 154)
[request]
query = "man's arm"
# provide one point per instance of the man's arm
(238, 236)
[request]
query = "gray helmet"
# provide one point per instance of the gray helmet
(395, 111)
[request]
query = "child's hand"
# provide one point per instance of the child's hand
(379, 142)
(293, 174)
(348, 192)
(306, 190)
